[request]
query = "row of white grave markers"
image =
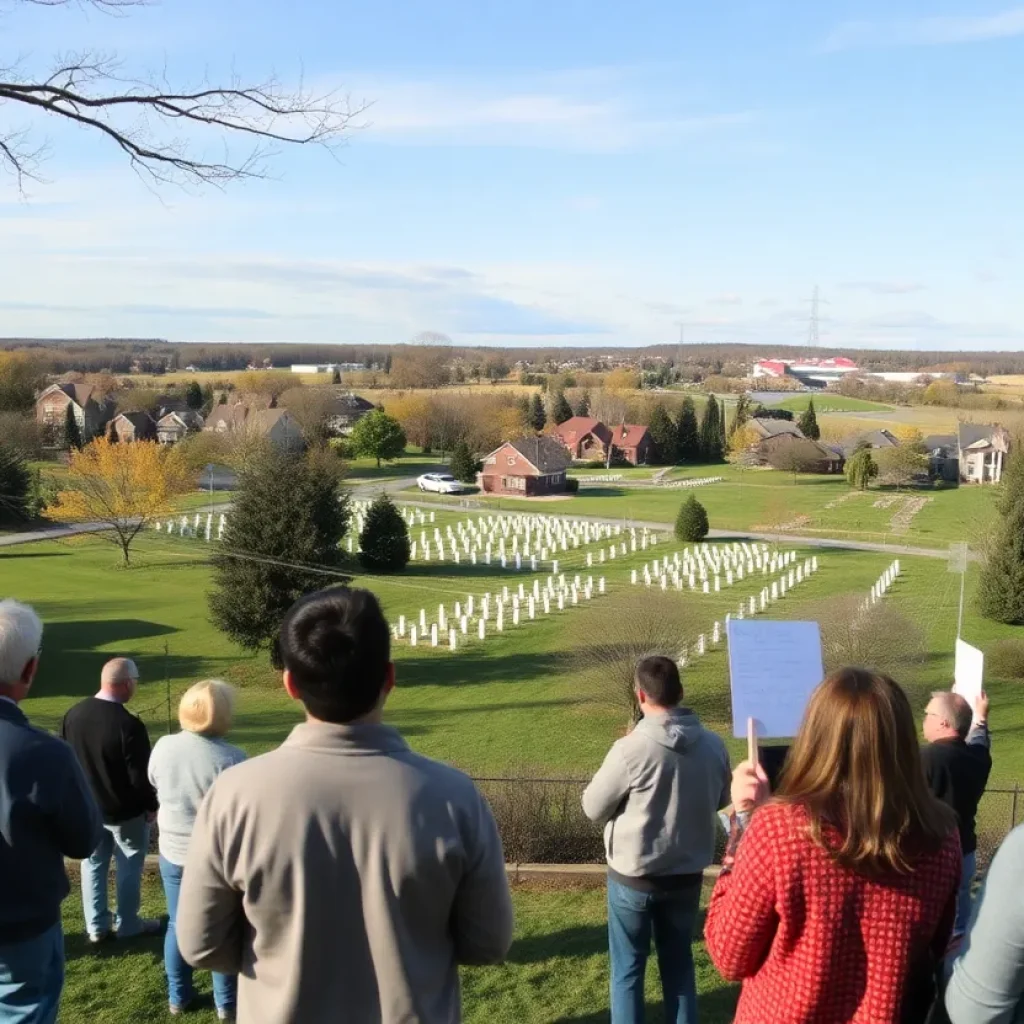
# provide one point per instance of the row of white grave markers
(754, 605)
(711, 565)
(881, 587)
(413, 516)
(612, 478)
(200, 526)
(701, 481)
(480, 617)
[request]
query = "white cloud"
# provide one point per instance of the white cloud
(943, 30)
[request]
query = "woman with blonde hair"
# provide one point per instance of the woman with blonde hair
(182, 768)
(837, 898)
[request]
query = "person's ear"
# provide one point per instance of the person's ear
(289, 685)
(641, 696)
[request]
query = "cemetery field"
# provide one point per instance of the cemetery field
(526, 700)
(557, 970)
(770, 501)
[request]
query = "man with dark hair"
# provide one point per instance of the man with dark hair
(957, 762)
(657, 794)
(342, 876)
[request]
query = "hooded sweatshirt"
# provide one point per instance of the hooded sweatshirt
(657, 794)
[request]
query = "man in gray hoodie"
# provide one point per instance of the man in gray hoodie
(657, 795)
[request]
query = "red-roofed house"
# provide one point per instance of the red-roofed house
(588, 440)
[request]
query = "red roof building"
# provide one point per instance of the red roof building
(589, 440)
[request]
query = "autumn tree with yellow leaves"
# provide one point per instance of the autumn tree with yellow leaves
(124, 487)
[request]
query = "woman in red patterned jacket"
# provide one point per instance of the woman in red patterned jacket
(837, 903)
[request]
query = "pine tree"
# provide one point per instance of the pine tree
(687, 433)
(741, 414)
(384, 542)
(1001, 591)
(538, 417)
(692, 521)
(336, 376)
(808, 422)
(15, 486)
(208, 399)
(194, 395)
(561, 410)
(463, 465)
(72, 435)
(284, 528)
(861, 469)
(711, 447)
(663, 434)
(583, 405)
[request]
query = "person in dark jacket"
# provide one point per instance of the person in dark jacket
(113, 747)
(957, 762)
(47, 813)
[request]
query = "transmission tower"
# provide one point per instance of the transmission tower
(814, 327)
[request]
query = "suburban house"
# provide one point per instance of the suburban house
(943, 456)
(134, 426)
(766, 428)
(92, 411)
(274, 424)
(876, 439)
(983, 450)
(528, 467)
(588, 440)
(345, 411)
(173, 426)
(800, 454)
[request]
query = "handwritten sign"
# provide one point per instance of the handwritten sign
(773, 668)
(968, 672)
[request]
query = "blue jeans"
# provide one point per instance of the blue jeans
(963, 898)
(127, 842)
(632, 919)
(179, 973)
(31, 978)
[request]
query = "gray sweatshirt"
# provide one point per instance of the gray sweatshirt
(657, 793)
(987, 986)
(182, 768)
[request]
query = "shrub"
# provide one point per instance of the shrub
(385, 538)
(15, 486)
(1005, 659)
(572, 485)
(692, 521)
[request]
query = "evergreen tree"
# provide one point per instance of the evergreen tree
(387, 363)
(741, 414)
(223, 400)
(384, 542)
(194, 395)
(15, 486)
(72, 435)
(1001, 593)
(692, 521)
(286, 522)
(538, 417)
(711, 447)
(336, 376)
(561, 410)
(523, 408)
(208, 399)
(378, 436)
(663, 434)
(808, 422)
(861, 469)
(463, 465)
(583, 405)
(687, 433)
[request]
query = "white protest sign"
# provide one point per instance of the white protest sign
(968, 672)
(773, 668)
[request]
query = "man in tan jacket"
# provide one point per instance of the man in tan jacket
(342, 876)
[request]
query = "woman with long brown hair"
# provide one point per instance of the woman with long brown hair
(837, 897)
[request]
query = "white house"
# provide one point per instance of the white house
(983, 451)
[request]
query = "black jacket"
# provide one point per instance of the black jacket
(47, 813)
(113, 748)
(957, 773)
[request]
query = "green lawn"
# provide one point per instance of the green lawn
(557, 970)
(826, 403)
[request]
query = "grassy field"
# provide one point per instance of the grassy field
(767, 501)
(828, 403)
(557, 970)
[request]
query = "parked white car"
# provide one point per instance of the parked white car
(439, 483)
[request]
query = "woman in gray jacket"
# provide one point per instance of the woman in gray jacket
(182, 768)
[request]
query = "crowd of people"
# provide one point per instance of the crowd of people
(343, 877)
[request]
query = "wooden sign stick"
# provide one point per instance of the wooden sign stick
(752, 754)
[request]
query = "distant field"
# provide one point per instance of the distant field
(826, 403)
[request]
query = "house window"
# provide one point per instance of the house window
(511, 460)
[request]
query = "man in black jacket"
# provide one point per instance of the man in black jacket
(47, 813)
(957, 763)
(113, 748)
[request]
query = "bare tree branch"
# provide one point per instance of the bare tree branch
(141, 117)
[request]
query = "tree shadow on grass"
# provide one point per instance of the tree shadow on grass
(477, 669)
(716, 1007)
(5, 555)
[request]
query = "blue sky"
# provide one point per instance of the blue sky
(551, 173)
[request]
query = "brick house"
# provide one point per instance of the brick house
(92, 411)
(134, 426)
(528, 467)
(589, 440)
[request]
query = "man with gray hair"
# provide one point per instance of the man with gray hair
(47, 813)
(957, 762)
(113, 747)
